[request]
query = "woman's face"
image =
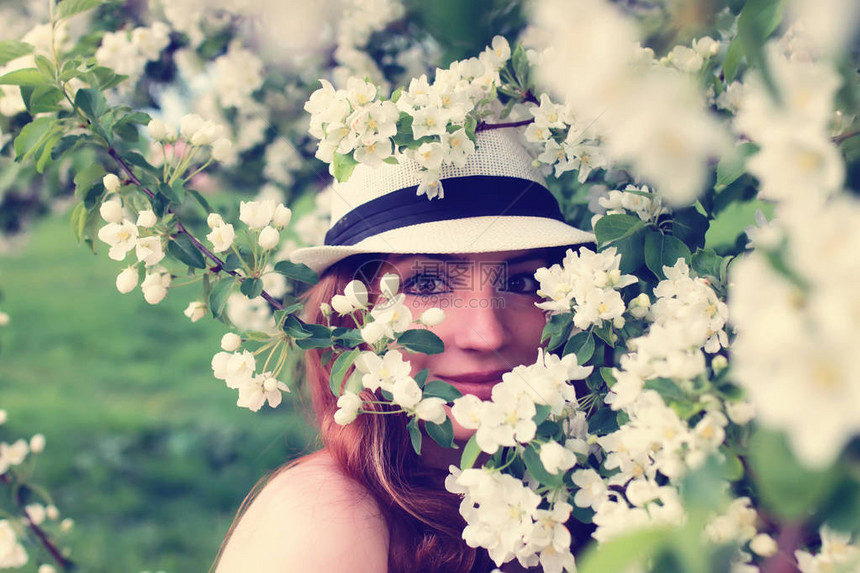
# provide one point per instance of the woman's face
(491, 322)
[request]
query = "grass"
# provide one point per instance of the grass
(147, 452)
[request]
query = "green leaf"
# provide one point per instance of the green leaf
(232, 262)
(79, 220)
(91, 102)
(622, 552)
(69, 8)
(667, 388)
(542, 412)
(531, 457)
(42, 99)
(219, 294)
(756, 22)
(35, 136)
(296, 328)
(788, 488)
(343, 166)
(126, 132)
(440, 389)
(581, 344)
(339, 369)
(690, 226)
(184, 250)
(557, 330)
(320, 337)
(612, 228)
(25, 77)
(420, 340)
(348, 337)
(603, 421)
(733, 164)
(707, 263)
(353, 383)
(663, 250)
(606, 372)
(87, 177)
(632, 251)
(200, 199)
(470, 454)
(12, 50)
(102, 78)
(442, 434)
(414, 435)
(251, 287)
(297, 272)
(174, 193)
(421, 377)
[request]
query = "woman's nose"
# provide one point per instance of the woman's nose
(480, 324)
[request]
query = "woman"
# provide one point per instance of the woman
(366, 502)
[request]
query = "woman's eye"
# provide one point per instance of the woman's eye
(425, 285)
(523, 283)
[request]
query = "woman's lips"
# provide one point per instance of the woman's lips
(478, 384)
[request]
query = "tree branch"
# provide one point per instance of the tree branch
(788, 541)
(53, 550)
(219, 264)
(487, 126)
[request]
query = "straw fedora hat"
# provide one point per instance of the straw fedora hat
(497, 202)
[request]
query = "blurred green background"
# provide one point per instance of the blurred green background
(146, 451)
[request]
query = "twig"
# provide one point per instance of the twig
(485, 126)
(847, 135)
(788, 541)
(219, 264)
(49, 546)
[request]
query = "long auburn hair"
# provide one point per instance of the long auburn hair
(423, 519)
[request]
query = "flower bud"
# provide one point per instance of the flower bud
(341, 304)
(639, 306)
(214, 220)
(3, 417)
(325, 309)
(195, 310)
(719, 363)
(432, 316)
(269, 238)
(763, 545)
(190, 124)
(46, 568)
(231, 341)
(154, 287)
(37, 443)
(347, 408)
(36, 513)
(111, 183)
(146, 218)
(111, 211)
(356, 293)
(4, 320)
(52, 512)
(157, 130)
(221, 149)
(126, 280)
(282, 216)
(389, 284)
(67, 524)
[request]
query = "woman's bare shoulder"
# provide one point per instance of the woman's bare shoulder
(309, 517)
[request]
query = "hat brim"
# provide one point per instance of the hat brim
(468, 235)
